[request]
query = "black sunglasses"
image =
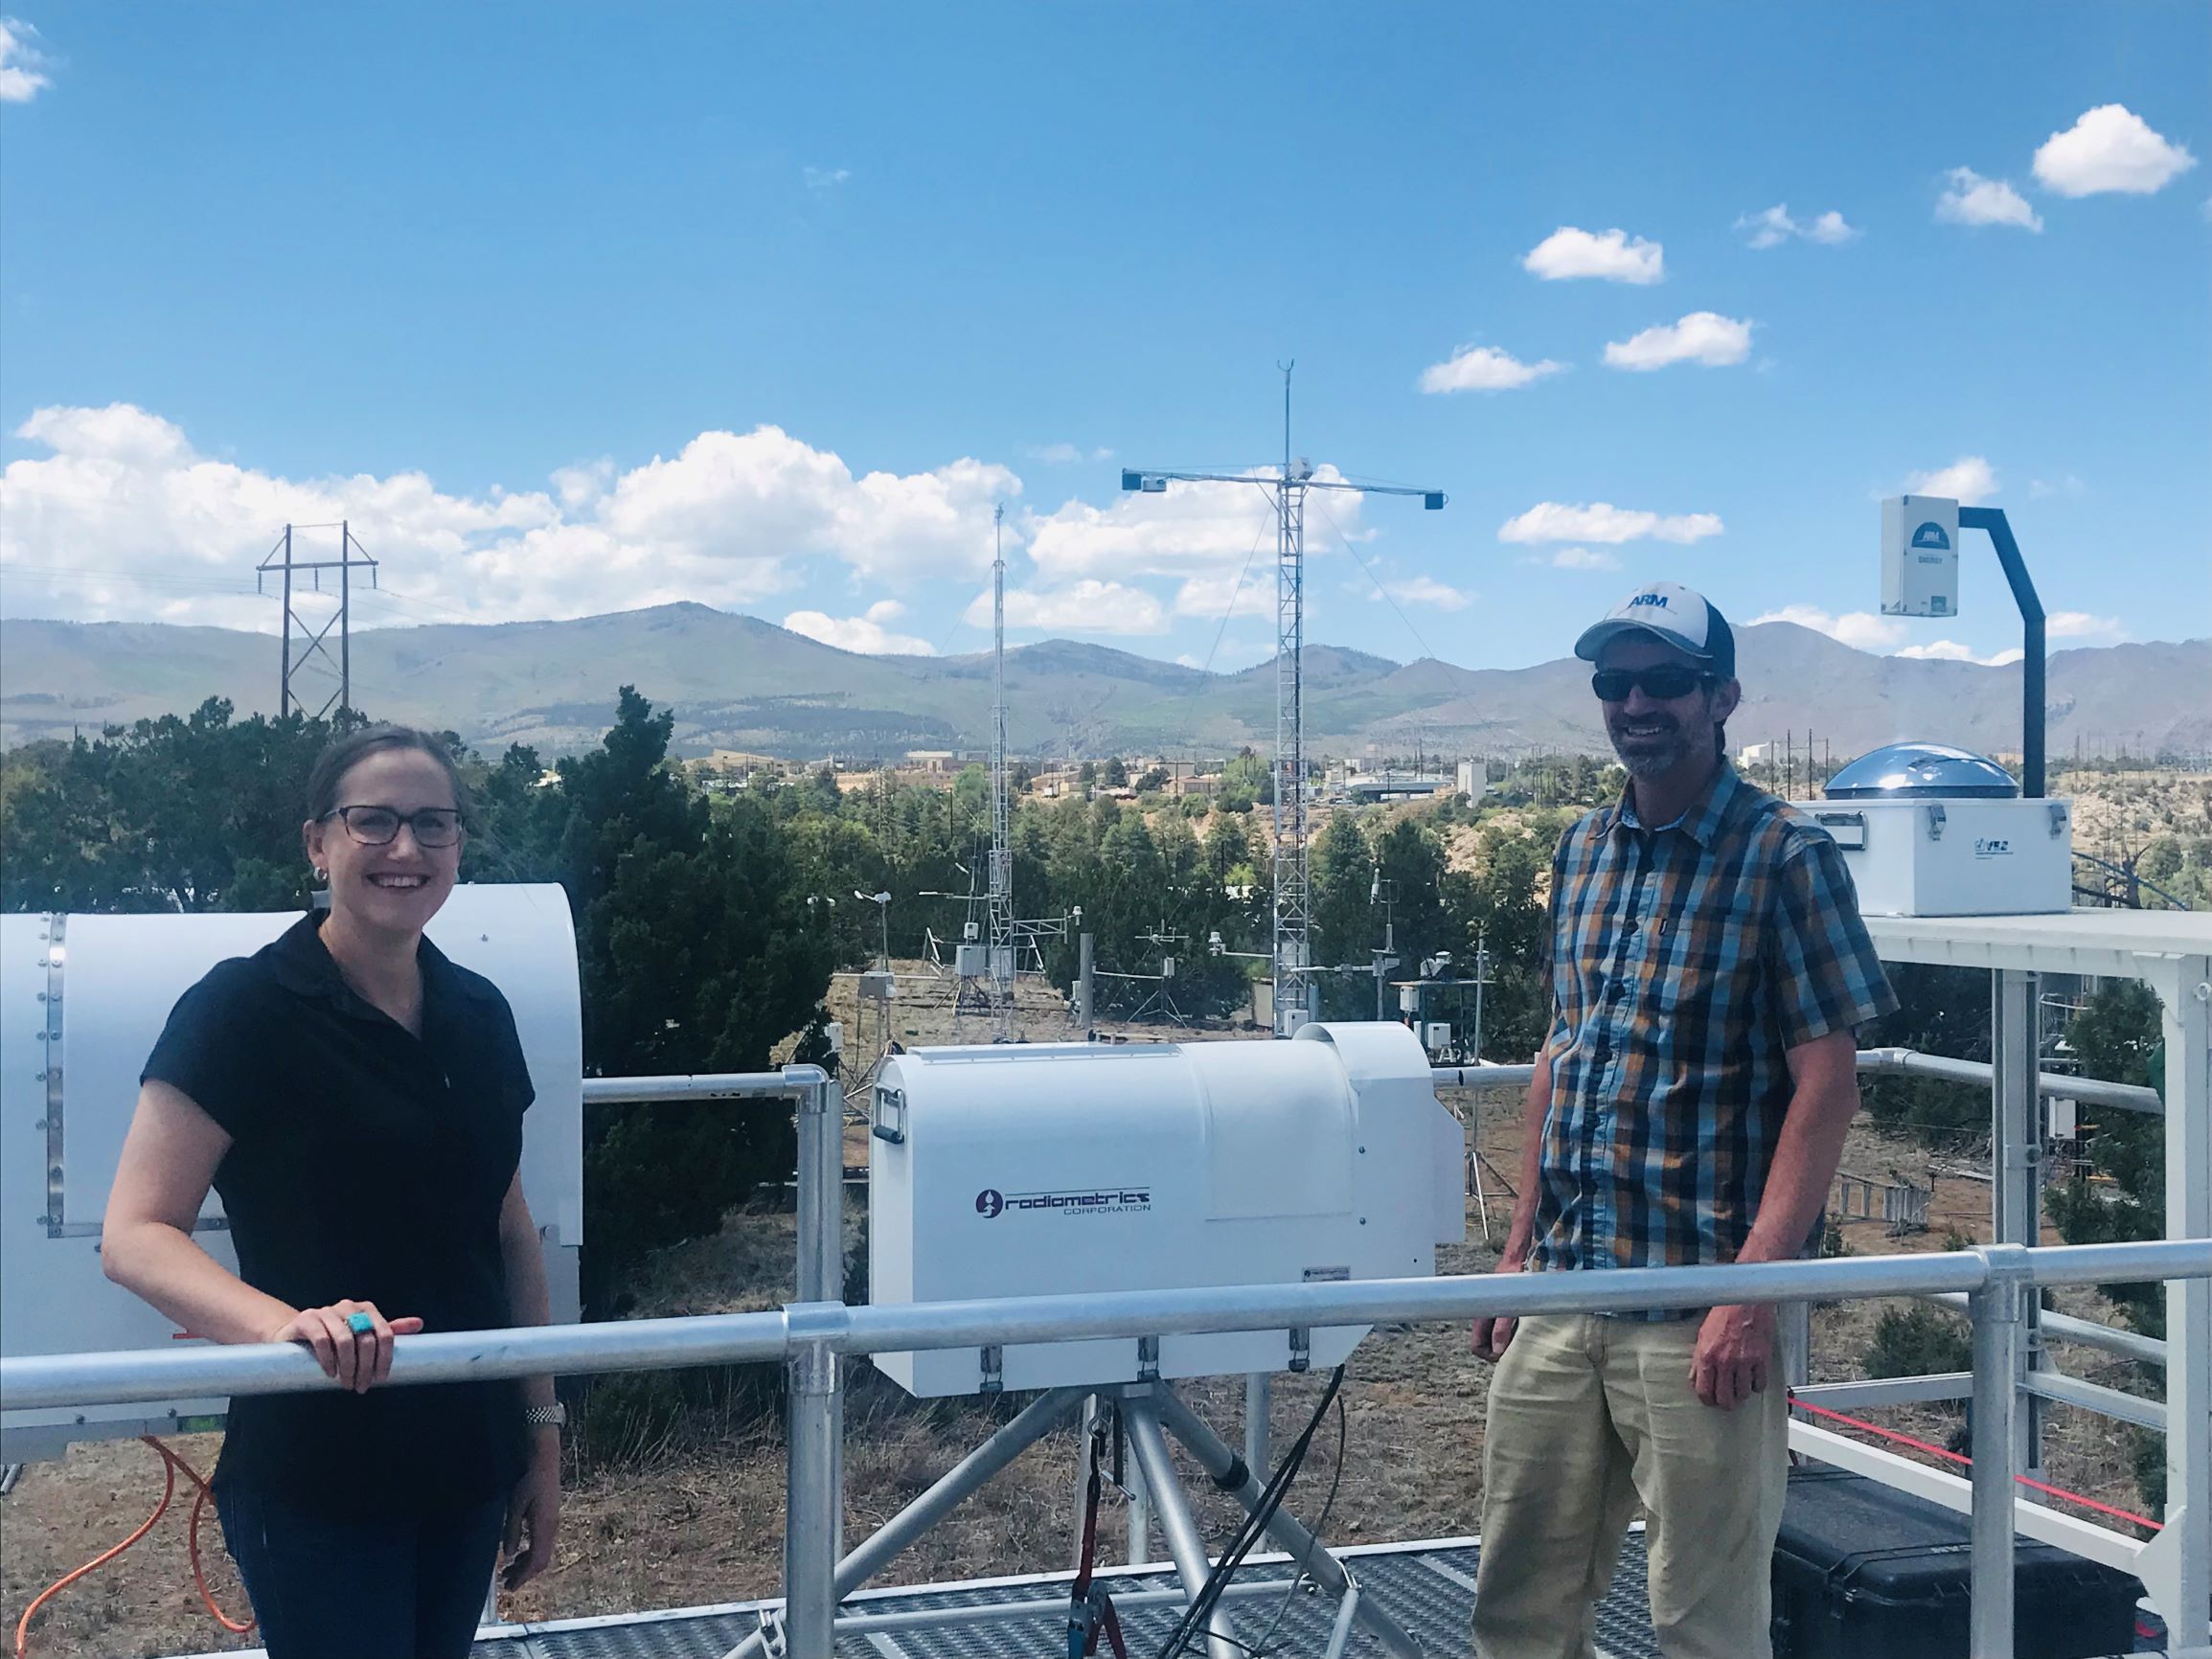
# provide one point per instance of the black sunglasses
(434, 827)
(1661, 681)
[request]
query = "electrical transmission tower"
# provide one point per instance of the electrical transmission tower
(312, 639)
(1001, 928)
(1292, 950)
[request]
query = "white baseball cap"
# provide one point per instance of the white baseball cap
(1671, 614)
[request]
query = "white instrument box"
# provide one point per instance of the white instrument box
(1028, 1170)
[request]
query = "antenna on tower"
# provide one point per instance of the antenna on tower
(1292, 951)
(282, 559)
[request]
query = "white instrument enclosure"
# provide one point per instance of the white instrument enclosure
(107, 993)
(1917, 856)
(1045, 1169)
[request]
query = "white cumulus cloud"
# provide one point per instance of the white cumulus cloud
(1430, 593)
(1771, 227)
(1970, 200)
(1702, 337)
(1089, 606)
(1613, 256)
(1184, 531)
(1861, 630)
(1951, 651)
(1970, 480)
(2080, 625)
(1484, 369)
(728, 521)
(866, 633)
(1865, 631)
(22, 65)
(1212, 596)
(2110, 147)
(1602, 521)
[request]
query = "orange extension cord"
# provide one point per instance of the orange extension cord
(170, 1465)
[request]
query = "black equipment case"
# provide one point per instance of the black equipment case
(1863, 1571)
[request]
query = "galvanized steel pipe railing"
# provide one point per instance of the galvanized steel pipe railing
(2095, 1091)
(811, 1337)
(1998, 1334)
(1909, 1063)
(2066, 1327)
(689, 1086)
(46, 1382)
(814, 1395)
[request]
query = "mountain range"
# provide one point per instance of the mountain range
(737, 682)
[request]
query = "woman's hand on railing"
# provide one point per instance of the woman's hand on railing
(358, 1359)
(533, 1513)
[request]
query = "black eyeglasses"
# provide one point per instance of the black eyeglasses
(1661, 681)
(434, 827)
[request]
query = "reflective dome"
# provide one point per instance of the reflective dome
(1903, 771)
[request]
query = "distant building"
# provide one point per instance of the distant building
(1755, 755)
(1473, 779)
(930, 760)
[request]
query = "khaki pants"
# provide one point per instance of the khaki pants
(1588, 1416)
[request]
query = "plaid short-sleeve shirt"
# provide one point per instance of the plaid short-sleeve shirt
(1686, 962)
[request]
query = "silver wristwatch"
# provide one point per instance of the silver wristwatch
(546, 1416)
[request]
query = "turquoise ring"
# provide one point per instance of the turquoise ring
(361, 1325)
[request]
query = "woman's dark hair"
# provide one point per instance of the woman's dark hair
(347, 752)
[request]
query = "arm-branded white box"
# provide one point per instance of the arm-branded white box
(1920, 556)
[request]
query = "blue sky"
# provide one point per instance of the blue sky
(570, 309)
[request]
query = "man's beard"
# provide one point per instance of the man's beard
(1650, 755)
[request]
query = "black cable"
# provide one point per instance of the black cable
(1255, 1527)
(1252, 553)
(1202, 1605)
(1320, 1531)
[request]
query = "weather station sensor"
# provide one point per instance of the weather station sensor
(1920, 556)
(1036, 1170)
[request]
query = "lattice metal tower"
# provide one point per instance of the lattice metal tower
(283, 559)
(1291, 945)
(1001, 967)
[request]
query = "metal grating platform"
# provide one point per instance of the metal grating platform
(1427, 1586)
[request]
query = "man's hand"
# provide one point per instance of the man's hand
(1735, 1351)
(1489, 1336)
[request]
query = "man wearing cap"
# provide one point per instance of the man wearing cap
(1708, 969)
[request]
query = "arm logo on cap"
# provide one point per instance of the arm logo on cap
(1657, 598)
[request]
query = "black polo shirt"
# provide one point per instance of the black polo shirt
(370, 1163)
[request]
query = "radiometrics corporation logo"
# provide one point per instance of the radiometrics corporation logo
(1135, 1200)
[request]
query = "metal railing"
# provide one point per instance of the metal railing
(812, 1336)
(1906, 1062)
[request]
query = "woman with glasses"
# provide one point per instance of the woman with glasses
(357, 1099)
